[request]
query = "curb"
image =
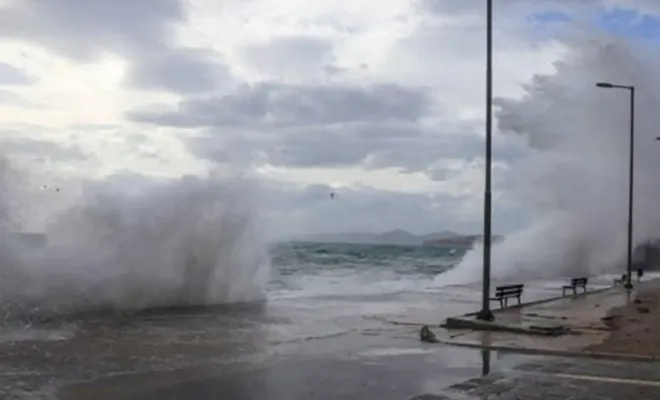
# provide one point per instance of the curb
(557, 353)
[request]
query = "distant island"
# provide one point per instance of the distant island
(396, 237)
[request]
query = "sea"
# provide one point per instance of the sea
(324, 303)
(395, 282)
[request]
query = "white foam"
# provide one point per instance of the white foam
(192, 240)
(574, 182)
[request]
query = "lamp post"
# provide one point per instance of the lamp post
(631, 172)
(486, 314)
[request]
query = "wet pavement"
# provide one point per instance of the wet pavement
(549, 378)
(290, 349)
(396, 373)
(368, 364)
(285, 349)
(583, 312)
(580, 320)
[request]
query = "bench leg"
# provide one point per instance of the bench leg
(563, 291)
(574, 290)
(501, 303)
(519, 303)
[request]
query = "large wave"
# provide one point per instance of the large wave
(194, 240)
(575, 181)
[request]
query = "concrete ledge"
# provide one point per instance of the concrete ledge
(549, 352)
(466, 324)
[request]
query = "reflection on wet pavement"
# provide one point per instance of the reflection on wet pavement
(283, 351)
(548, 378)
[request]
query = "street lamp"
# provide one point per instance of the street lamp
(631, 170)
(486, 314)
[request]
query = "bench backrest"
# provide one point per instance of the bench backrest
(578, 281)
(509, 290)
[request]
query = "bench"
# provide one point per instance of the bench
(504, 293)
(575, 283)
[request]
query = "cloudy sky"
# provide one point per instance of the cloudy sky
(380, 102)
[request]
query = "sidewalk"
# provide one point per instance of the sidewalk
(635, 326)
(611, 351)
(610, 323)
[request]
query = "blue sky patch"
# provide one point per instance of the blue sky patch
(629, 23)
(623, 22)
(545, 24)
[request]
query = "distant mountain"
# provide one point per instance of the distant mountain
(395, 237)
(440, 235)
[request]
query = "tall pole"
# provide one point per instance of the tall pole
(486, 314)
(631, 176)
(631, 180)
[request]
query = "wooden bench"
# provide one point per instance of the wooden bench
(504, 293)
(575, 283)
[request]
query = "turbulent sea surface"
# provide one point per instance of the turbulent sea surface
(314, 269)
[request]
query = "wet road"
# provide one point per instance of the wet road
(425, 372)
(347, 367)
(290, 349)
(274, 352)
(550, 378)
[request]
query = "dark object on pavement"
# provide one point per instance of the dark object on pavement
(425, 335)
(643, 310)
(553, 330)
(504, 293)
(575, 283)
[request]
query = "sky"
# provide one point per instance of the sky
(382, 105)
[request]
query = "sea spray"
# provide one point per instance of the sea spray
(195, 240)
(574, 181)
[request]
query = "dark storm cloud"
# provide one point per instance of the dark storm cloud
(472, 7)
(322, 126)
(368, 145)
(179, 70)
(313, 146)
(299, 125)
(83, 29)
(292, 105)
(140, 31)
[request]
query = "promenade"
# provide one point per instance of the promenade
(608, 350)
